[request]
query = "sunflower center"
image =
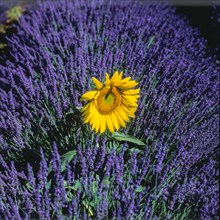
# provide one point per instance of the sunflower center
(109, 98)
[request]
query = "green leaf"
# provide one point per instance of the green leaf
(106, 182)
(29, 187)
(89, 209)
(124, 137)
(94, 187)
(150, 42)
(134, 149)
(66, 158)
(140, 189)
(78, 185)
(48, 185)
(75, 111)
(78, 108)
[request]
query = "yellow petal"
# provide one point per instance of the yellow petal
(107, 79)
(129, 111)
(86, 118)
(97, 122)
(115, 121)
(129, 103)
(97, 83)
(109, 123)
(89, 95)
(92, 113)
(123, 115)
(94, 125)
(120, 120)
(120, 76)
(128, 85)
(84, 108)
(131, 92)
(125, 80)
(88, 113)
(114, 78)
(131, 97)
(102, 124)
(130, 100)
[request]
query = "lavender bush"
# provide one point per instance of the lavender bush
(55, 51)
(101, 185)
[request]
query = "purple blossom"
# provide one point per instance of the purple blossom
(61, 54)
(199, 183)
(55, 51)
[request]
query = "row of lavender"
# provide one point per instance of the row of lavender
(55, 51)
(101, 185)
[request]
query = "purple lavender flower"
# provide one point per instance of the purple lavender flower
(101, 195)
(2, 13)
(52, 56)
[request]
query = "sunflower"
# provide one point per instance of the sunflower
(112, 104)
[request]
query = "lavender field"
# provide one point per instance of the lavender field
(108, 110)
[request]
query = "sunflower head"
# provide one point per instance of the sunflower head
(112, 104)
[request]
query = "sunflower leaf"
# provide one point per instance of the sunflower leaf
(66, 158)
(140, 189)
(124, 137)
